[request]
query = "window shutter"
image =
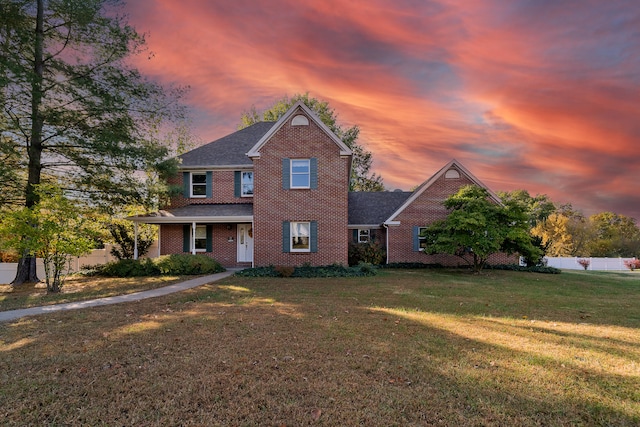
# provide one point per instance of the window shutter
(313, 173)
(355, 236)
(286, 173)
(186, 183)
(209, 238)
(416, 242)
(186, 238)
(209, 184)
(314, 236)
(286, 236)
(237, 184)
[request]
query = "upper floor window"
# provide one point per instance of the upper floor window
(363, 235)
(300, 173)
(247, 184)
(198, 184)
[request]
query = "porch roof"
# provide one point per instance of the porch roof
(201, 213)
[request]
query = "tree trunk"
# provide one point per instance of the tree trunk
(27, 264)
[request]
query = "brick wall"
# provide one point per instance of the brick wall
(426, 209)
(225, 252)
(222, 186)
(327, 204)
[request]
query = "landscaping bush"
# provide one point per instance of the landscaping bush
(175, 265)
(186, 264)
(632, 264)
(533, 269)
(411, 265)
(307, 270)
(129, 268)
(371, 253)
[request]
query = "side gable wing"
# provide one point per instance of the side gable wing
(429, 182)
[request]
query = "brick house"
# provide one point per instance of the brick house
(277, 193)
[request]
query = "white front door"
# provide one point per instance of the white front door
(245, 243)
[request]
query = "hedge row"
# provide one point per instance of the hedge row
(174, 265)
(334, 270)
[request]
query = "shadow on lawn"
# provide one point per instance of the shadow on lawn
(273, 352)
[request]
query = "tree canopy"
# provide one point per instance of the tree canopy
(74, 110)
(477, 227)
(362, 179)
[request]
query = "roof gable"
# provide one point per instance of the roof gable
(429, 182)
(255, 150)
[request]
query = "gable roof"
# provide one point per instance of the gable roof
(227, 151)
(373, 208)
(429, 182)
(255, 150)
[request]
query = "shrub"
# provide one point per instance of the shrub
(307, 270)
(533, 269)
(177, 264)
(411, 265)
(371, 253)
(632, 264)
(284, 271)
(584, 263)
(129, 268)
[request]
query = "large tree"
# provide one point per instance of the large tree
(478, 227)
(73, 107)
(362, 179)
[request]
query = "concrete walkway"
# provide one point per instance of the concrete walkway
(6, 316)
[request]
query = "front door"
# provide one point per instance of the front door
(245, 243)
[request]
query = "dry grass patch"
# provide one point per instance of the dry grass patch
(401, 348)
(78, 288)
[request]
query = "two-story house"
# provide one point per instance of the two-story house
(277, 193)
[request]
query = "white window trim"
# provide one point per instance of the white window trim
(194, 196)
(368, 234)
(242, 184)
(421, 239)
(291, 174)
(291, 235)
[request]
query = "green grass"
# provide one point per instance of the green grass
(406, 347)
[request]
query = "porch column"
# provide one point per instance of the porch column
(135, 240)
(193, 238)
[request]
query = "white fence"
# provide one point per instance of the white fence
(596, 264)
(96, 257)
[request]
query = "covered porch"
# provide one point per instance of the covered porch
(222, 231)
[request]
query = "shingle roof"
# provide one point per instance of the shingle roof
(208, 213)
(229, 150)
(374, 208)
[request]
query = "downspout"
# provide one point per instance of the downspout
(386, 227)
(159, 238)
(253, 249)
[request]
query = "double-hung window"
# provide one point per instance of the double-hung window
(421, 241)
(363, 235)
(300, 234)
(201, 238)
(300, 173)
(198, 184)
(247, 184)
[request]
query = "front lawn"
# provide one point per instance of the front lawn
(405, 347)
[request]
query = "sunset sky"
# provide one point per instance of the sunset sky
(542, 95)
